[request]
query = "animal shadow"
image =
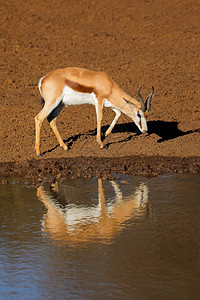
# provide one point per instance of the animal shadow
(122, 128)
(167, 130)
(119, 128)
(69, 142)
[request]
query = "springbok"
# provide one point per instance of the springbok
(102, 221)
(75, 86)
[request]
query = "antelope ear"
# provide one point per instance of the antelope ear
(129, 102)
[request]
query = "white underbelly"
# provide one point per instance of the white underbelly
(71, 97)
(74, 216)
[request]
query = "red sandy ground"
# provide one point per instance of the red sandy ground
(138, 42)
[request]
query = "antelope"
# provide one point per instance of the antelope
(101, 221)
(76, 86)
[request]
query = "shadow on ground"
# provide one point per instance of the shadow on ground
(165, 130)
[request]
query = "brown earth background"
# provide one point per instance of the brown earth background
(138, 43)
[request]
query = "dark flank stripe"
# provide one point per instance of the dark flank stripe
(79, 87)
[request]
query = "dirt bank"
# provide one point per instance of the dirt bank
(34, 172)
(137, 43)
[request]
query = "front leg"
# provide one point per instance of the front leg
(99, 112)
(118, 114)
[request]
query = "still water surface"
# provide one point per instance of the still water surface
(132, 238)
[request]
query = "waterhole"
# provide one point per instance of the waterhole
(130, 238)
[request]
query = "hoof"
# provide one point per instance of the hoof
(65, 147)
(107, 133)
(39, 154)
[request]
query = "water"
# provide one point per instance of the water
(132, 238)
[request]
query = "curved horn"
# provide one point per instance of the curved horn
(141, 100)
(148, 100)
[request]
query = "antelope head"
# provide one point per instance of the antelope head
(142, 113)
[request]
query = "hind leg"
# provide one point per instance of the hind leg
(52, 121)
(57, 134)
(52, 111)
(38, 122)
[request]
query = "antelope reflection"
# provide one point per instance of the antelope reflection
(103, 221)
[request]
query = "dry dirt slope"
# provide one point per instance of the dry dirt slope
(137, 42)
